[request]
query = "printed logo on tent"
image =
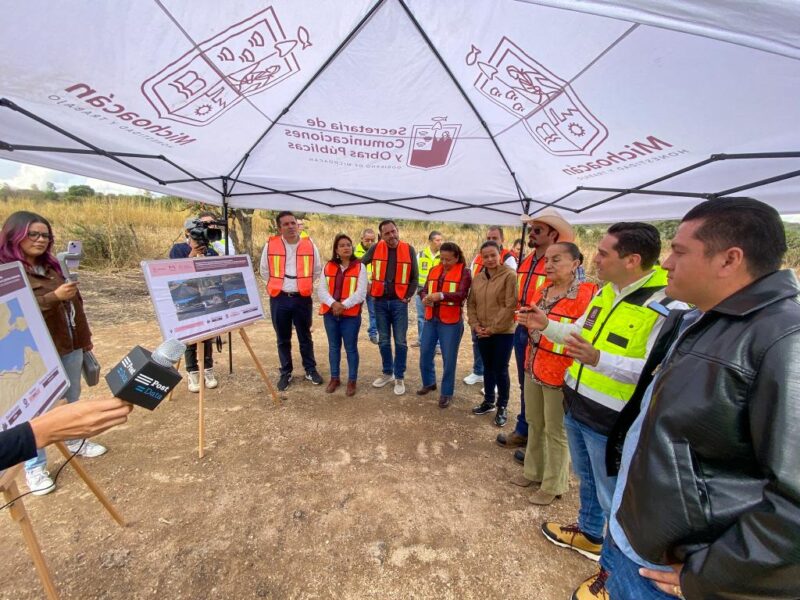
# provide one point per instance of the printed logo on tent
(246, 59)
(548, 107)
(432, 144)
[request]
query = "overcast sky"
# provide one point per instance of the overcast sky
(22, 176)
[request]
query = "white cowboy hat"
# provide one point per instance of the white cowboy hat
(550, 216)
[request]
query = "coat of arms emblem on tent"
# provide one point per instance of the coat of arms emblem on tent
(246, 59)
(432, 144)
(547, 105)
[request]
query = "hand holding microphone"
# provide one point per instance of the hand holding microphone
(145, 379)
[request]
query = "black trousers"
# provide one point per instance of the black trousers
(285, 312)
(190, 356)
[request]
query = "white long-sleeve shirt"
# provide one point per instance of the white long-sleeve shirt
(510, 261)
(290, 282)
(357, 297)
(620, 368)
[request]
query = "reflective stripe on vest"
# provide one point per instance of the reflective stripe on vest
(477, 264)
(621, 329)
(529, 282)
(304, 265)
(448, 312)
(402, 272)
(549, 360)
(426, 260)
(349, 285)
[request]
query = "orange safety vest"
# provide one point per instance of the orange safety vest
(477, 264)
(550, 361)
(402, 271)
(276, 259)
(449, 312)
(349, 285)
(532, 279)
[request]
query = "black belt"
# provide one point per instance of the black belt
(289, 294)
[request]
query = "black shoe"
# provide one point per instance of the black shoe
(519, 456)
(314, 377)
(284, 381)
(425, 389)
(483, 408)
(501, 418)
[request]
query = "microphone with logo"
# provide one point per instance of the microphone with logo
(145, 379)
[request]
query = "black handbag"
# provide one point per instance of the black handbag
(91, 368)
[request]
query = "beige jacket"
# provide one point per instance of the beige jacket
(492, 300)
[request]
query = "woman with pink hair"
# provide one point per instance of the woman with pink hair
(28, 238)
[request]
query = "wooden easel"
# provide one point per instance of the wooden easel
(201, 374)
(10, 490)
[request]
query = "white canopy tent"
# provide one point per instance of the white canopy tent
(468, 111)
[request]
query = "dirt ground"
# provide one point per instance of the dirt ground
(375, 496)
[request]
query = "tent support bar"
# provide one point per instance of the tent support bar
(4, 102)
(464, 95)
(225, 217)
(97, 151)
(527, 207)
(756, 184)
(240, 165)
(646, 192)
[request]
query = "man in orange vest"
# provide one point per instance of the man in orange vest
(289, 266)
(493, 234)
(546, 228)
(394, 284)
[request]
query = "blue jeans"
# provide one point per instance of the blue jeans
(624, 581)
(520, 347)
(448, 335)
(420, 317)
(477, 360)
(496, 353)
(392, 319)
(73, 365)
(587, 448)
(342, 330)
(372, 329)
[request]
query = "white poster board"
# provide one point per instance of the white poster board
(32, 377)
(198, 298)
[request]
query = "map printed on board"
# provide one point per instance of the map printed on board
(31, 374)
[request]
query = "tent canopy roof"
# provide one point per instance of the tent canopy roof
(457, 111)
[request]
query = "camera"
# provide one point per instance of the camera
(205, 232)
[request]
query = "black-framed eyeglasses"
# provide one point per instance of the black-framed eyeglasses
(35, 235)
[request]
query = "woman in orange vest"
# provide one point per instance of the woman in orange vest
(443, 297)
(342, 290)
(563, 298)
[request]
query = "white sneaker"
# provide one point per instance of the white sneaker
(383, 380)
(39, 482)
(399, 387)
(88, 450)
(193, 381)
(472, 379)
(211, 380)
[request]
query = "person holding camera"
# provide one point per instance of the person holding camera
(214, 222)
(197, 244)
(28, 238)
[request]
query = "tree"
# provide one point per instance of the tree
(80, 191)
(50, 191)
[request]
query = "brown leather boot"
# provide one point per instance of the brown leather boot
(334, 383)
(351, 388)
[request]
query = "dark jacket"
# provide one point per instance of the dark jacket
(68, 334)
(715, 479)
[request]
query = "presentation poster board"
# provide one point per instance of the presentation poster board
(198, 298)
(32, 377)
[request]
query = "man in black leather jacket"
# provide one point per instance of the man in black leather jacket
(709, 484)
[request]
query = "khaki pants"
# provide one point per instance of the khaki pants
(547, 454)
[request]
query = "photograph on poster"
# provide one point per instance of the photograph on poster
(207, 295)
(197, 298)
(31, 374)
